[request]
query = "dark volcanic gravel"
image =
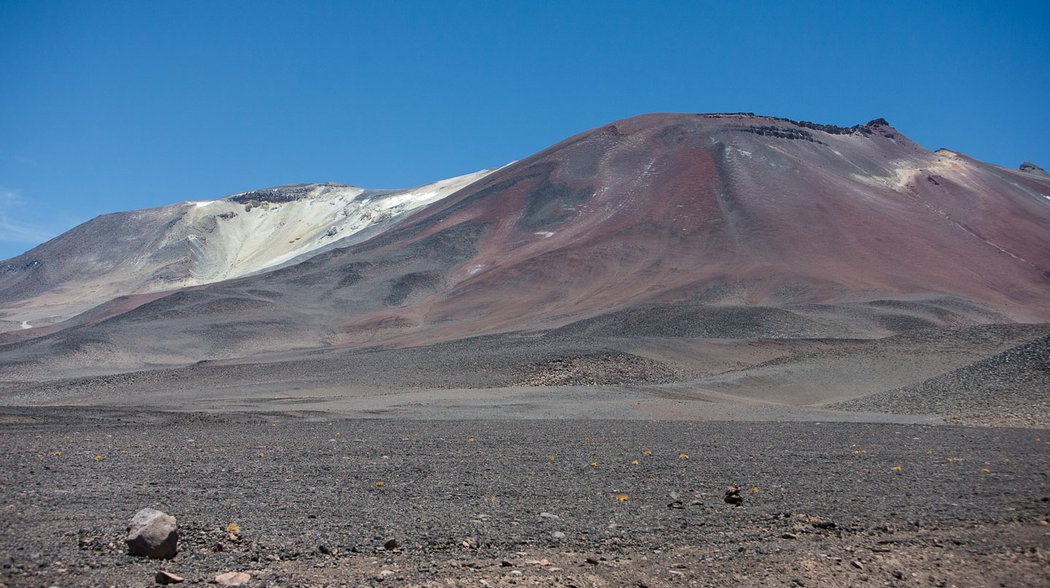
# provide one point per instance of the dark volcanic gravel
(1012, 387)
(521, 502)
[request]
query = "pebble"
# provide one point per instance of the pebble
(232, 579)
(733, 496)
(821, 523)
(163, 577)
(557, 535)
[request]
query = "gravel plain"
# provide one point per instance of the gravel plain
(576, 502)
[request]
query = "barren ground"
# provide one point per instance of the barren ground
(478, 502)
(548, 460)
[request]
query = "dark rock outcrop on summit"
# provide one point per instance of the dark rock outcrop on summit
(1034, 169)
(287, 193)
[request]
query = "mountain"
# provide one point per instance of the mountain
(666, 225)
(194, 243)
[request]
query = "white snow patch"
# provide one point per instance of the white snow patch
(265, 237)
(204, 203)
(475, 269)
(26, 325)
(545, 234)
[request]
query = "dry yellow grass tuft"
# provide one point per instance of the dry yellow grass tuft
(634, 462)
(622, 497)
(646, 452)
(233, 528)
(683, 456)
(380, 484)
(897, 469)
(98, 457)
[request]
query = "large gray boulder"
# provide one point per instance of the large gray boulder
(152, 533)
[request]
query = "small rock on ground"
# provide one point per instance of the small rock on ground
(233, 579)
(152, 533)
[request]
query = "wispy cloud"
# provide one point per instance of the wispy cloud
(13, 230)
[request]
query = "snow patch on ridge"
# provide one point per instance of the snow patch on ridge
(252, 236)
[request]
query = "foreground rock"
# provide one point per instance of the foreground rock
(153, 534)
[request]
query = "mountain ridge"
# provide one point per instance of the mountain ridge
(196, 242)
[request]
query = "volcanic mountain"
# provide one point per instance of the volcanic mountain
(713, 226)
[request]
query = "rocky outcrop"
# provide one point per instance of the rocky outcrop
(1032, 168)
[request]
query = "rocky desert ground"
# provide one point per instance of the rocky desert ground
(570, 486)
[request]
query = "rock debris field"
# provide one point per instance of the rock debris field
(319, 500)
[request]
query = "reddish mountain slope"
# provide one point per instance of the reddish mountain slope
(734, 209)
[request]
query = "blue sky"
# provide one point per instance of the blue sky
(109, 106)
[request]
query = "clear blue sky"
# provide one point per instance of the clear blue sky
(108, 106)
